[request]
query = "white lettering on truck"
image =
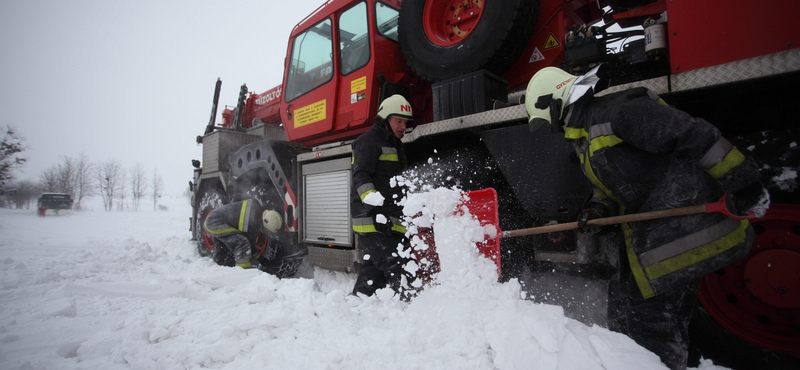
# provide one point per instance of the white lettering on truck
(269, 96)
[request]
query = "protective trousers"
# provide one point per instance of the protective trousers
(384, 266)
(660, 323)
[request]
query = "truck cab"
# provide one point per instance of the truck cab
(340, 64)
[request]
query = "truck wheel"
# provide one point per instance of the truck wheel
(758, 298)
(441, 39)
(210, 200)
(283, 267)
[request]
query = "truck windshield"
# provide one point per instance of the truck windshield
(311, 64)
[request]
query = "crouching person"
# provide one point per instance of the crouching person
(235, 227)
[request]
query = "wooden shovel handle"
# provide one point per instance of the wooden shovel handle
(690, 210)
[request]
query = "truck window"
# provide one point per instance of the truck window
(354, 38)
(386, 18)
(311, 60)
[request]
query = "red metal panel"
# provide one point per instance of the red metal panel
(546, 47)
(703, 33)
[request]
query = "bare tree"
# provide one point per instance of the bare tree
(110, 178)
(157, 185)
(138, 183)
(48, 180)
(121, 190)
(10, 148)
(65, 176)
(84, 182)
(23, 193)
(72, 176)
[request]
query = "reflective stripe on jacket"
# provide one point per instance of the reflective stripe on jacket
(363, 225)
(240, 217)
(647, 156)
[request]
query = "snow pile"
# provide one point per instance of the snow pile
(518, 334)
(126, 290)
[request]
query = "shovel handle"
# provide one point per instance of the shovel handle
(718, 206)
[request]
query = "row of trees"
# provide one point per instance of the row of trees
(114, 183)
(76, 176)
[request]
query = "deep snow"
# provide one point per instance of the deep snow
(127, 290)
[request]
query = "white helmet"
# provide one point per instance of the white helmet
(395, 105)
(272, 220)
(551, 90)
(546, 96)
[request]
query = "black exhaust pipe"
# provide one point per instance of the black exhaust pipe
(237, 119)
(213, 120)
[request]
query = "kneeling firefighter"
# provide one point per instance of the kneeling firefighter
(235, 228)
(642, 155)
(378, 156)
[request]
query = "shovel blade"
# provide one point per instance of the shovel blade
(483, 205)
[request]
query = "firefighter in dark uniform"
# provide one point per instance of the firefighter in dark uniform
(234, 228)
(643, 155)
(378, 156)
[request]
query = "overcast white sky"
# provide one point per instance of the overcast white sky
(133, 80)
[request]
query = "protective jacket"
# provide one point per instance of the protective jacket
(377, 157)
(646, 156)
(236, 225)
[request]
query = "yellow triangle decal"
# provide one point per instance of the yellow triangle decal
(551, 42)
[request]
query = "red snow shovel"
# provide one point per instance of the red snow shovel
(483, 205)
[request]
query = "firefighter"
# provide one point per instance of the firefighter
(234, 228)
(378, 156)
(642, 155)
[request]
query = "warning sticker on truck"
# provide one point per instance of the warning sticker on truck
(536, 56)
(358, 84)
(551, 42)
(311, 113)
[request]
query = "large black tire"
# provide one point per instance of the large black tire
(709, 340)
(493, 38)
(210, 199)
(284, 267)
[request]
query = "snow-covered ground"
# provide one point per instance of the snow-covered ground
(127, 290)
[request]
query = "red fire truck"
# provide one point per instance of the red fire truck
(464, 65)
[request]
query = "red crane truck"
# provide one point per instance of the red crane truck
(464, 65)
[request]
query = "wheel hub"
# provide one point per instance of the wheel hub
(758, 297)
(772, 277)
(448, 22)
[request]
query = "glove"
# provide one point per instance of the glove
(751, 198)
(594, 210)
(382, 223)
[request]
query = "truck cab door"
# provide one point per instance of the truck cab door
(331, 89)
(310, 82)
(356, 69)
